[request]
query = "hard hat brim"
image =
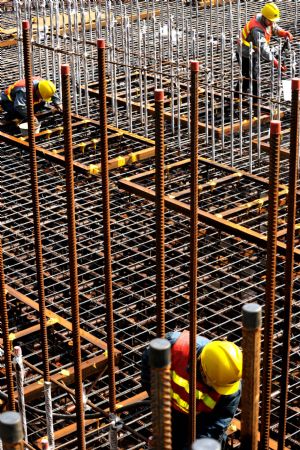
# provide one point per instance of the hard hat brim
(47, 100)
(227, 390)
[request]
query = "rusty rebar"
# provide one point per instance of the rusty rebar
(11, 431)
(5, 337)
(66, 99)
(160, 211)
(251, 314)
(289, 262)
(193, 249)
(35, 198)
(160, 363)
(275, 130)
(106, 224)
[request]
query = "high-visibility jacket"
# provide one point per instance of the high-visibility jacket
(254, 23)
(206, 397)
(9, 92)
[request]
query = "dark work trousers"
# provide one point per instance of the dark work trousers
(246, 76)
(180, 430)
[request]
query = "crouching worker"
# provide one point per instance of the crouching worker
(218, 390)
(13, 99)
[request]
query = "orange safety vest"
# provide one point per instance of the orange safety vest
(254, 23)
(21, 83)
(206, 397)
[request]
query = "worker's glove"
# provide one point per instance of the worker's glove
(286, 35)
(276, 63)
(283, 68)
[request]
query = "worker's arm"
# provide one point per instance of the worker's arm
(20, 103)
(215, 424)
(56, 101)
(259, 40)
(280, 32)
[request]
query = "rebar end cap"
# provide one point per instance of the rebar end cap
(101, 43)
(158, 95)
(160, 353)
(296, 84)
(275, 127)
(206, 444)
(25, 25)
(11, 430)
(65, 69)
(195, 66)
(251, 316)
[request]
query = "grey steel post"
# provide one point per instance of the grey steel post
(11, 432)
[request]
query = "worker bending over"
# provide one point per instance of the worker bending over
(14, 103)
(218, 389)
(259, 31)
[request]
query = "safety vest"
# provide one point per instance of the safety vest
(206, 397)
(21, 84)
(254, 23)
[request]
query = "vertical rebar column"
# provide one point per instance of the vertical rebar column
(275, 130)
(20, 374)
(160, 211)
(35, 198)
(193, 247)
(5, 337)
(251, 313)
(160, 364)
(67, 121)
(11, 432)
(289, 263)
(106, 225)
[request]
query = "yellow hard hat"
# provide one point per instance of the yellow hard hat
(271, 12)
(222, 363)
(47, 89)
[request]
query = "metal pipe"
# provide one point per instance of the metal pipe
(289, 264)
(67, 121)
(275, 130)
(193, 247)
(19, 370)
(35, 199)
(11, 432)
(251, 314)
(160, 210)
(160, 364)
(106, 225)
(49, 416)
(5, 337)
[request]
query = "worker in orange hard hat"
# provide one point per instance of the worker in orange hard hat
(218, 389)
(259, 31)
(14, 103)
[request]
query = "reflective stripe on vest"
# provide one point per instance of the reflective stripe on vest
(182, 382)
(181, 404)
(254, 23)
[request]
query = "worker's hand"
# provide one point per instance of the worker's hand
(287, 35)
(283, 68)
(58, 107)
(276, 63)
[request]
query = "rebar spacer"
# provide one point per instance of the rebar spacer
(25, 25)
(101, 43)
(11, 429)
(160, 353)
(194, 66)
(251, 313)
(158, 95)
(65, 69)
(296, 84)
(275, 127)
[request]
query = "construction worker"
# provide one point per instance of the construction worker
(259, 31)
(13, 100)
(219, 370)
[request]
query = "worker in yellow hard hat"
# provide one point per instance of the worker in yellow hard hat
(14, 103)
(218, 389)
(259, 31)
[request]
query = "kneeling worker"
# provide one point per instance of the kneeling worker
(14, 103)
(218, 389)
